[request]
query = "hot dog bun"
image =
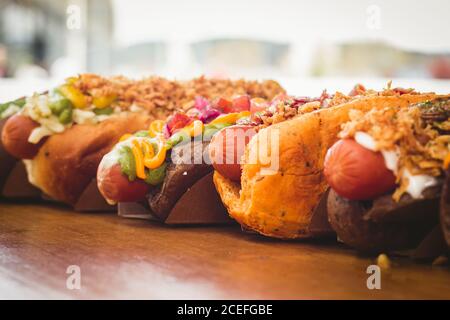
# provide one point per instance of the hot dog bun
(281, 205)
(67, 162)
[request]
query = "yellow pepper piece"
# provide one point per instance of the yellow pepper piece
(125, 137)
(139, 159)
(447, 161)
(231, 117)
(71, 80)
(157, 160)
(195, 128)
(103, 102)
(74, 95)
(156, 127)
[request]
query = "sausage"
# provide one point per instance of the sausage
(15, 136)
(226, 150)
(115, 186)
(357, 173)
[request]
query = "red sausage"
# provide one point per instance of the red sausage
(226, 149)
(357, 173)
(116, 187)
(15, 136)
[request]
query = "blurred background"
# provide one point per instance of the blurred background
(306, 45)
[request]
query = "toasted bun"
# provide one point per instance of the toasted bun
(281, 205)
(67, 162)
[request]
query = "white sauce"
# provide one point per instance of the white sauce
(365, 140)
(416, 183)
(83, 116)
(391, 159)
(390, 156)
(38, 133)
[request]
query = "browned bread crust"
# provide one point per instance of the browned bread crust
(281, 205)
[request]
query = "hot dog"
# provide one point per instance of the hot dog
(170, 156)
(386, 175)
(76, 123)
(281, 201)
(13, 178)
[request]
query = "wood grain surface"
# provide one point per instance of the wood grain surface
(121, 258)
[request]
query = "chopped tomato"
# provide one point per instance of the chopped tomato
(177, 122)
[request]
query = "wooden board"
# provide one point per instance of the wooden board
(120, 258)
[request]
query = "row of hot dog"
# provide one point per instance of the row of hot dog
(378, 160)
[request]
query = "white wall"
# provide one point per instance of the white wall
(421, 25)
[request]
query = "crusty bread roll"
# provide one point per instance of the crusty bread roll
(67, 162)
(281, 205)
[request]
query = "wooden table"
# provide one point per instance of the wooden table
(120, 258)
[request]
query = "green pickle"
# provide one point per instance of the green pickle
(177, 138)
(65, 117)
(103, 111)
(19, 102)
(156, 176)
(61, 107)
(126, 161)
(58, 106)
